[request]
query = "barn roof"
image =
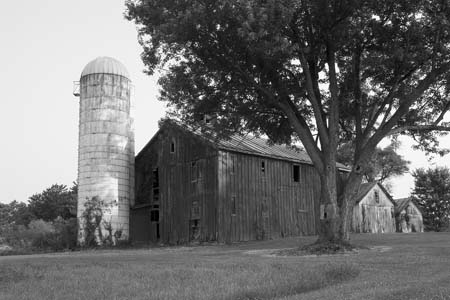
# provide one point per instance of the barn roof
(365, 188)
(259, 146)
(249, 145)
(402, 203)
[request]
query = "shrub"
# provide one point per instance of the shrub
(56, 236)
(41, 235)
(67, 232)
(94, 229)
(92, 218)
(16, 236)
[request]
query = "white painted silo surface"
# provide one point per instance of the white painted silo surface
(106, 141)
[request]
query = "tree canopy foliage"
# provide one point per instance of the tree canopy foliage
(384, 164)
(48, 221)
(54, 201)
(432, 196)
(320, 71)
(16, 213)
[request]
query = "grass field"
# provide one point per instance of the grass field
(399, 266)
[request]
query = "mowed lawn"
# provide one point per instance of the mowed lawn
(400, 266)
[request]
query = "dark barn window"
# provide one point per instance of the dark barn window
(172, 147)
(296, 173)
(154, 218)
(155, 184)
(194, 230)
(377, 197)
(263, 166)
(155, 181)
(154, 215)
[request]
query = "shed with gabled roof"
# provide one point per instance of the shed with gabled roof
(408, 217)
(192, 186)
(373, 211)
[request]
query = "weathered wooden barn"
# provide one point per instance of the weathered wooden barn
(408, 217)
(190, 188)
(374, 210)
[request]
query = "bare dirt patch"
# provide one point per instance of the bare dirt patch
(300, 251)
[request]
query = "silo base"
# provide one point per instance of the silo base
(101, 224)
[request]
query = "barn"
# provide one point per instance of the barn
(408, 217)
(374, 210)
(191, 188)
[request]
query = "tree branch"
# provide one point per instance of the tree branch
(388, 100)
(441, 116)
(312, 96)
(315, 102)
(405, 103)
(420, 128)
(357, 94)
(302, 128)
(333, 118)
(297, 121)
(407, 100)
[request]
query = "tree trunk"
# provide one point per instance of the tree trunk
(330, 221)
(349, 193)
(336, 206)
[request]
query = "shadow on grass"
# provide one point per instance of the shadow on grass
(322, 249)
(309, 281)
(436, 290)
(11, 275)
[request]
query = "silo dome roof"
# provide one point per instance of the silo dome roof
(105, 65)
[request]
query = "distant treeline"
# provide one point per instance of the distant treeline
(46, 223)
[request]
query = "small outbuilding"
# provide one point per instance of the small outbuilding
(374, 210)
(408, 217)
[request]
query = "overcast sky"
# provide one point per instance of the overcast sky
(45, 46)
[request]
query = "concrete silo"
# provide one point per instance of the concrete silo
(106, 144)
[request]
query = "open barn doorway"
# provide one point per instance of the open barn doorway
(154, 219)
(194, 223)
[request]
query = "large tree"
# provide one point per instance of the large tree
(432, 195)
(318, 71)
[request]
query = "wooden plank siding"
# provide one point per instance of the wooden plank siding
(268, 204)
(226, 196)
(408, 217)
(141, 225)
(374, 214)
(178, 189)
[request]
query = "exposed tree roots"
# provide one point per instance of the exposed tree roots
(322, 248)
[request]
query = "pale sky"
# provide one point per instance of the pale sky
(44, 47)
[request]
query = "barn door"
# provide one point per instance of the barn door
(262, 220)
(302, 225)
(154, 213)
(263, 224)
(194, 222)
(265, 217)
(154, 224)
